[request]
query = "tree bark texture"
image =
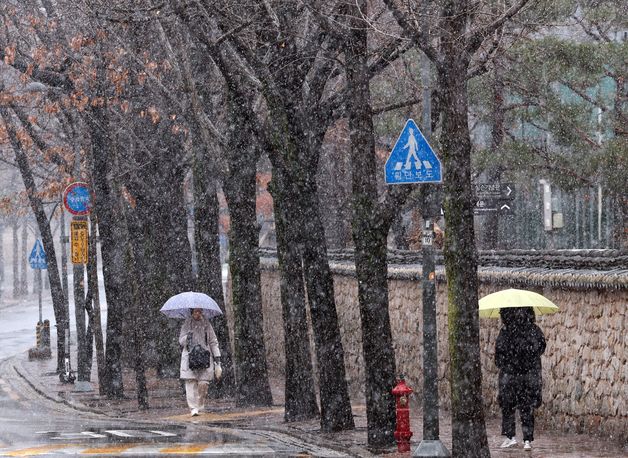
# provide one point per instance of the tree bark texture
(468, 427)
(336, 414)
(16, 265)
(139, 312)
(369, 236)
(490, 236)
(165, 245)
(23, 260)
(79, 314)
(112, 240)
(209, 276)
(59, 303)
(252, 387)
(294, 175)
(93, 301)
(300, 403)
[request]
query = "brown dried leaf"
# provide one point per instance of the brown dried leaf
(155, 116)
(9, 55)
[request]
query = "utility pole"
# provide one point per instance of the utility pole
(430, 445)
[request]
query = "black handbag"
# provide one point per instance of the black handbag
(199, 358)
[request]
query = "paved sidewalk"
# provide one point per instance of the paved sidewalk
(167, 404)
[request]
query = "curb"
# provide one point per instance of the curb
(57, 399)
(354, 451)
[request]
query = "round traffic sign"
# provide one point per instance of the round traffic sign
(77, 198)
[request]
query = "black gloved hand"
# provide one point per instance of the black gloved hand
(217, 359)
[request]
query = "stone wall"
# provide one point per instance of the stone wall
(585, 369)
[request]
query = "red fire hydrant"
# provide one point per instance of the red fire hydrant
(402, 433)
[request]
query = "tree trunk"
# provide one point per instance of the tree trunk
(23, 260)
(138, 311)
(209, 276)
(300, 403)
(93, 301)
(336, 412)
(369, 237)
(294, 160)
(2, 260)
(491, 222)
(16, 262)
(250, 351)
(59, 303)
(252, 386)
(64, 251)
(79, 313)
(112, 240)
(468, 427)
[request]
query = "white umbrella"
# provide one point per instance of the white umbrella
(179, 306)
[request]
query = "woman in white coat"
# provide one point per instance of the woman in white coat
(197, 330)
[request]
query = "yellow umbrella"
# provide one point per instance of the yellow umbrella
(490, 304)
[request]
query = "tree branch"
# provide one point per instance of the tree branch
(395, 106)
(482, 65)
(39, 142)
(582, 94)
(477, 36)
(420, 37)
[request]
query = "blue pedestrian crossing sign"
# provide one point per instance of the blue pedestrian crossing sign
(37, 259)
(412, 159)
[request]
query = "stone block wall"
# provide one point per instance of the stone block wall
(585, 368)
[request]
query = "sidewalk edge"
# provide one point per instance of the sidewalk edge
(59, 400)
(303, 436)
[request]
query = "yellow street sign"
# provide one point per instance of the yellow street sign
(78, 241)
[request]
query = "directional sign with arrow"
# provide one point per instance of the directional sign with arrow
(494, 197)
(495, 190)
(483, 206)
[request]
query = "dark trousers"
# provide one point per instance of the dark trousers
(527, 422)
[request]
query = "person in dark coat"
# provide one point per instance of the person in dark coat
(518, 351)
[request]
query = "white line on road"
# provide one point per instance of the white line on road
(81, 435)
(116, 432)
(163, 433)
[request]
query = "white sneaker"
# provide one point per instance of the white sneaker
(194, 412)
(509, 442)
(527, 445)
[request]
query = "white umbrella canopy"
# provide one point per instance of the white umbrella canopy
(179, 306)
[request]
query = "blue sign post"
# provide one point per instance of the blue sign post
(412, 159)
(38, 261)
(37, 258)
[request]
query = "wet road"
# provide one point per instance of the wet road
(17, 327)
(33, 425)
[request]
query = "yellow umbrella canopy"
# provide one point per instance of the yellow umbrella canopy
(492, 303)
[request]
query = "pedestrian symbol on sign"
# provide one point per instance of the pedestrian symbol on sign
(37, 258)
(412, 159)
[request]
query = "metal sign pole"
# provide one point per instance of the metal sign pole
(430, 445)
(39, 288)
(412, 160)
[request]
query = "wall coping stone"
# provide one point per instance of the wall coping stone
(521, 275)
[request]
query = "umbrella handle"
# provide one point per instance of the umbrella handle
(189, 341)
